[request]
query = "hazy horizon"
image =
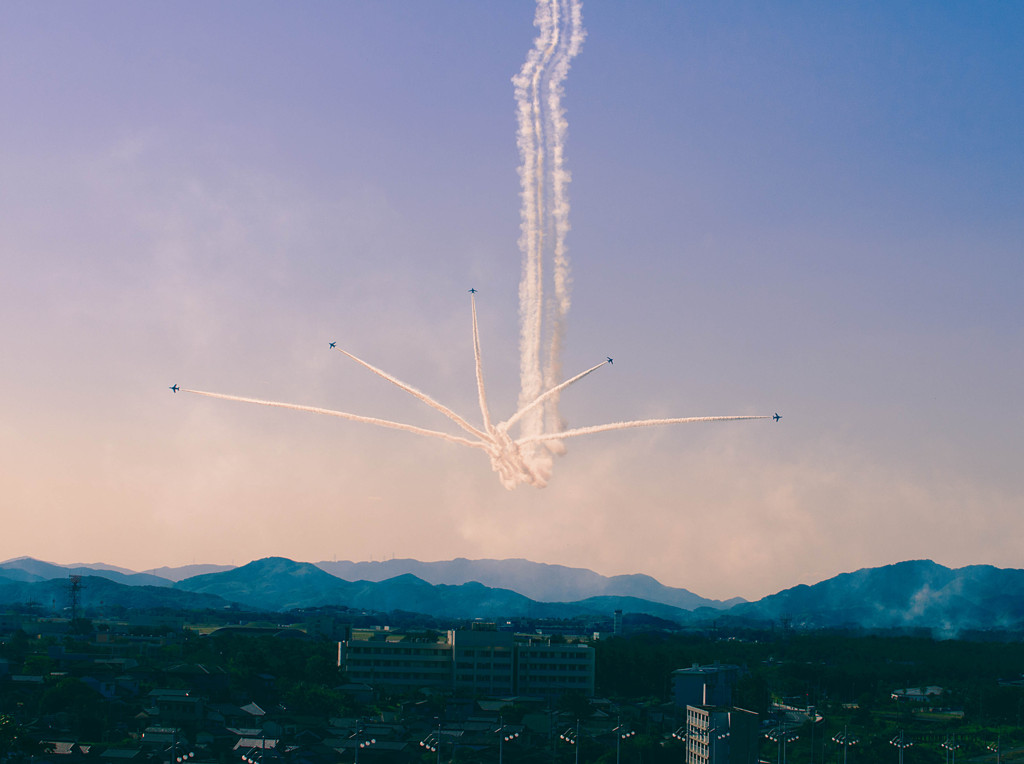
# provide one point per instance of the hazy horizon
(810, 209)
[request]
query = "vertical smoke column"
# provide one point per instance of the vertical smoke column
(570, 42)
(544, 215)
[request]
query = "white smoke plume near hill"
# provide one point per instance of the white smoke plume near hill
(528, 456)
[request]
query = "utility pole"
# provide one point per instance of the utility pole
(621, 733)
(74, 593)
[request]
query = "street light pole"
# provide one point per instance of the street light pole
(998, 747)
(573, 738)
(845, 740)
(173, 757)
(902, 743)
(812, 715)
(951, 745)
(361, 743)
(780, 735)
(504, 735)
(680, 735)
(432, 742)
(621, 733)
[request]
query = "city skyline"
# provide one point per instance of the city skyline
(815, 211)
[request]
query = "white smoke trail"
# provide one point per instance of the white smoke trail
(344, 415)
(481, 391)
(531, 174)
(545, 213)
(630, 425)
(553, 391)
(570, 43)
(417, 394)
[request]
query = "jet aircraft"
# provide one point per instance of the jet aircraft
(610, 360)
(174, 388)
(776, 417)
(472, 291)
(333, 344)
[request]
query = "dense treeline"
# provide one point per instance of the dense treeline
(815, 666)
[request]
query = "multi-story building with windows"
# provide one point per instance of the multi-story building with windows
(386, 658)
(550, 669)
(482, 662)
(473, 662)
(716, 735)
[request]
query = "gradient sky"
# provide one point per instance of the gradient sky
(809, 208)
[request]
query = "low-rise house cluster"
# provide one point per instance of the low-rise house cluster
(116, 692)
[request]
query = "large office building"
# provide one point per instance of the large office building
(473, 662)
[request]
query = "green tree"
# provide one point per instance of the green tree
(312, 699)
(10, 736)
(575, 704)
(16, 647)
(68, 694)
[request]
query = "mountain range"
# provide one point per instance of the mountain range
(918, 594)
(538, 581)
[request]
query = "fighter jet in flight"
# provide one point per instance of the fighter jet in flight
(776, 417)
(610, 360)
(174, 388)
(333, 344)
(472, 291)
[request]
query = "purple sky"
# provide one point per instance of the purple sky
(810, 208)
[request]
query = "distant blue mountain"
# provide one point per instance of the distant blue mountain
(538, 581)
(276, 583)
(912, 594)
(187, 571)
(48, 570)
(17, 574)
(99, 592)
